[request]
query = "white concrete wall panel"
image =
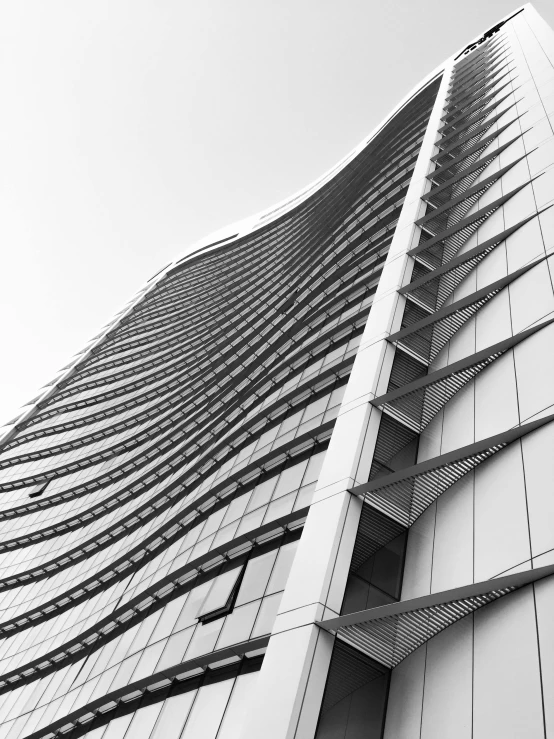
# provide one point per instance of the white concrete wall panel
(447, 695)
(492, 674)
(531, 297)
(419, 556)
(496, 407)
(507, 684)
(487, 675)
(493, 267)
(431, 438)
(453, 546)
(461, 345)
(544, 602)
(524, 246)
(538, 461)
(492, 321)
(534, 363)
(501, 526)
(406, 697)
(458, 424)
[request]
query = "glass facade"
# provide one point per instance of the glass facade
(251, 506)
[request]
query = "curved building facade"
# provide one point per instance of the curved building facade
(301, 486)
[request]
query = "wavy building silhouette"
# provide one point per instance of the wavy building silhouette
(302, 486)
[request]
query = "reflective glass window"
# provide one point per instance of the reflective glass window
(126, 669)
(282, 567)
(315, 408)
(143, 722)
(118, 727)
(148, 661)
(225, 534)
(207, 711)
(169, 616)
(237, 708)
(255, 577)
(212, 524)
(238, 625)
(220, 592)
(175, 649)
(305, 496)
(267, 615)
(204, 639)
(314, 468)
(96, 733)
(280, 507)
(173, 716)
(290, 423)
(236, 509)
(251, 521)
(262, 493)
(144, 633)
(192, 606)
(124, 643)
(290, 479)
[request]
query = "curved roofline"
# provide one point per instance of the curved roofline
(250, 224)
(228, 234)
(238, 229)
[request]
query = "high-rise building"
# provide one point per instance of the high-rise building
(302, 486)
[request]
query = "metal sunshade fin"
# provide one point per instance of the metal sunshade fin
(464, 179)
(482, 213)
(417, 403)
(405, 495)
(425, 337)
(449, 169)
(464, 85)
(455, 106)
(470, 116)
(449, 144)
(438, 284)
(388, 634)
(443, 214)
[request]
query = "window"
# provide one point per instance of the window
(219, 600)
(38, 490)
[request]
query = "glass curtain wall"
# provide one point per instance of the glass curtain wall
(151, 505)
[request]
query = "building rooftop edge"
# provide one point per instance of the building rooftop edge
(228, 234)
(237, 229)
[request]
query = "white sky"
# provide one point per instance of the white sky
(131, 128)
